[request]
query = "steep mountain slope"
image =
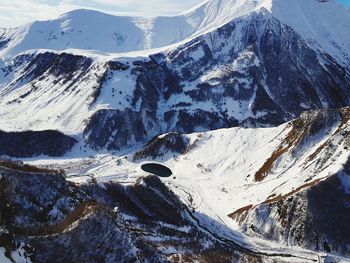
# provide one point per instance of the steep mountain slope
(315, 217)
(225, 78)
(251, 67)
(240, 177)
(276, 183)
(48, 91)
(34, 143)
(56, 221)
(110, 34)
(323, 23)
(266, 163)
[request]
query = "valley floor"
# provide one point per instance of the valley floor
(216, 176)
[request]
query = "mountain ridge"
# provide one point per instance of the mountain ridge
(128, 34)
(249, 109)
(225, 78)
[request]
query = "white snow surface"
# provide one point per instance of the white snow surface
(218, 173)
(326, 24)
(216, 177)
(44, 104)
(18, 256)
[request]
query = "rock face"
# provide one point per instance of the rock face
(160, 146)
(314, 214)
(315, 218)
(241, 74)
(114, 129)
(48, 91)
(56, 221)
(63, 65)
(34, 143)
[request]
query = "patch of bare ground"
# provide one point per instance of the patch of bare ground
(300, 188)
(300, 129)
(345, 118)
(222, 256)
(214, 255)
(295, 135)
(79, 212)
(17, 166)
(241, 214)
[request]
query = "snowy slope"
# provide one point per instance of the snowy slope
(217, 174)
(224, 78)
(79, 74)
(42, 102)
(48, 91)
(92, 30)
(222, 166)
(325, 24)
(227, 179)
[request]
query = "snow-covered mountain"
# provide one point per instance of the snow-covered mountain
(323, 22)
(271, 183)
(251, 100)
(243, 73)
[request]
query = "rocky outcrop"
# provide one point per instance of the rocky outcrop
(314, 218)
(55, 221)
(308, 128)
(34, 202)
(160, 146)
(62, 66)
(34, 143)
(314, 212)
(241, 74)
(114, 129)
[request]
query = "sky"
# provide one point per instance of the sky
(18, 12)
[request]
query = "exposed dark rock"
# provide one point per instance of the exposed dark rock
(4, 42)
(314, 218)
(63, 66)
(34, 143)
(173, 143)
(252, 84)
(114, 129)
(118, 66)
(145, 64)
(56, 221)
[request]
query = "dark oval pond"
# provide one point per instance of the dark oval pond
(157, 169)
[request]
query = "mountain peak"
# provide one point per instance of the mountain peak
(83, 12)
(319, 21)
